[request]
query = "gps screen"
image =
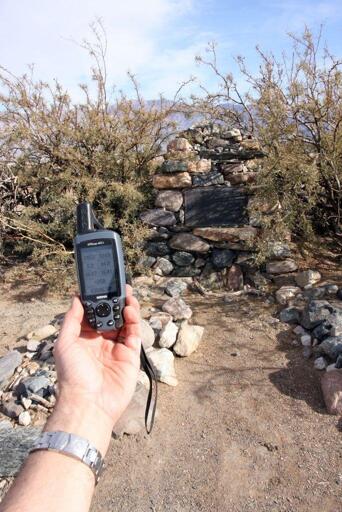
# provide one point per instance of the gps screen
(98, 270)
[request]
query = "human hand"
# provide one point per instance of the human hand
(97, 374)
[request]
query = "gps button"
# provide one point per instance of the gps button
(102, 309)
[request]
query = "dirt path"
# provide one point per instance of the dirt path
(245, 429)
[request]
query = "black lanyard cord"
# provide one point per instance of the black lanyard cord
(149, 413)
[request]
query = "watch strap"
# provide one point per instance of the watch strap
(74, 446)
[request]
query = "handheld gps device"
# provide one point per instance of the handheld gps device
(100, 270)
(102, 282)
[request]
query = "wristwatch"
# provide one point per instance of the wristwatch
(74, 446)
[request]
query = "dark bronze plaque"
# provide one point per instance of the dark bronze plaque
(215, 206)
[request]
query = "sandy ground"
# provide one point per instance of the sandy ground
(245, 429)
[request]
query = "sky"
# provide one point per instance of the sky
(156, 40)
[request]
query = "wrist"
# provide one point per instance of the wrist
(83, 418)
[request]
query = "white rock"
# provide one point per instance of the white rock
(168, 335)
(147, 334)
(320, 363)
(331, 367)
(156, 324)
(162, 361)
(143, 379)
(286, 293)
(26, 402)
(32, 345)
(305, 340)
(24, 418)
(188, 339)
(177, 308)
(307, 277)
(132, 420)
(42, 332)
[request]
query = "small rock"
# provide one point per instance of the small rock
(339, 294)
(207, 179)
(8, 365)
(188, 339)
(179, 144)
(179, 180)
(279, 250)
(11, 408)
(331, 367)
(281, 267)
(307, 277)
(132, 420)
(331, 289)
(5, 424)
(173, 166)
(162, 317)
(24, 419)
(162, 361)
(320, 363)
(286, 293)
(36, 384)
(33, 345)
(168, 335)
(183, 258)
(235, 278)
(315, 312)
(290, 315)
(146, 261)
(331, 384)
(157, 249)
(331, 347)
(175, 287)
(26, 402)
(222, 258)
(147, 334)
(42, 332)
(177, 308)
(299, 330)
(163, 267)
(305, 340)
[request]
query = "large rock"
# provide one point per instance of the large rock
(174, 166)
(202, 165)
(12, 408)
(42, 332)
(162, 361)
(132, 420)
(207, 179)
(179, 144)
(188, 339)
(15, 444)
(222, 258)
(331, 384)
(286, 293)
(168, 335)
(315, 313)
(307, 278)
(189, 271)
(179, 180)
(175, 287)
(188, 242)
(147, 334)
(235, 238)
(281, 267)
(158, 217)
(8, 364)
(171, 200)
(183, 258)
(38, 384)
(177, 308)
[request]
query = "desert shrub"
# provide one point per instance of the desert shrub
(294, 108)
(55, 152)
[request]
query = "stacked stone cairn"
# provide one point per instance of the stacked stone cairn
(188, 238)
(314, 312)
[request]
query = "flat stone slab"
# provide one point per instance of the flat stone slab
(15, 444)
(215, 206)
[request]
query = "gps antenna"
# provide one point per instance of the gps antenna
(86, 222)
